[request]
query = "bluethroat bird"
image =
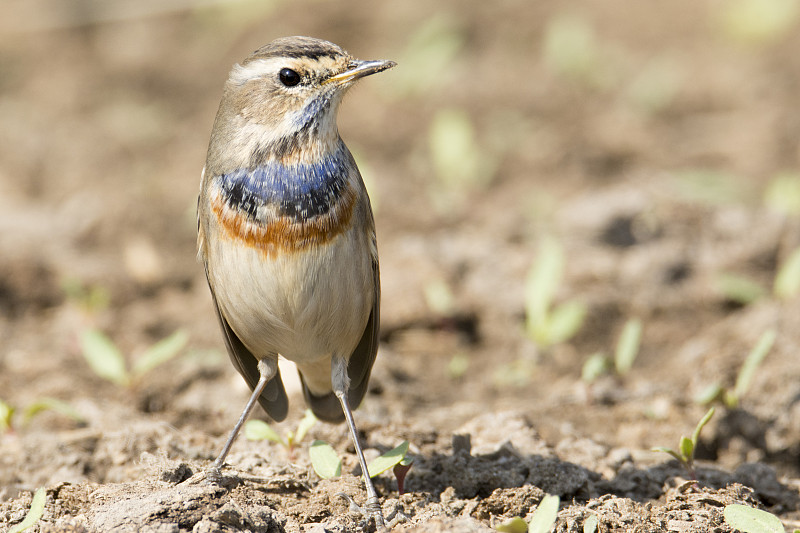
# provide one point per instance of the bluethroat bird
(286, 234)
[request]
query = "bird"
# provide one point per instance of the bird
(287, 237)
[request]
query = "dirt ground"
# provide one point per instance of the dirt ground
(646, 138)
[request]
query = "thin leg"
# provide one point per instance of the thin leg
(267, 369)
(341, 382)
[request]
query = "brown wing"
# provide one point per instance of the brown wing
(273, 398)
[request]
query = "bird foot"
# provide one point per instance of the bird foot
(372, 509)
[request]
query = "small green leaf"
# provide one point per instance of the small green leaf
(710, 394)
(6, 413)
(628, 346)
(324, 460)
(752, 362)
(565, 321)
(739, 289)
(594, 367)
(710, 187)
(590, 524)
(458, 365)
(787, 281)
(701, 425)
(52, 404)
(103, 356)
(388, 459)
(304, 426)
(545, 515)
(687, 448)
(260, 430)
(783, 194)
(35, 512)
(160, 352)
(669, 451)
(751, 520)
(543, 280)
(513, 525)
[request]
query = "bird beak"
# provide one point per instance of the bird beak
(359, 69)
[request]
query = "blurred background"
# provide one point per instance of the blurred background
(548, 178)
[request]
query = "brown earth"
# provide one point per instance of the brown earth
(642, 136)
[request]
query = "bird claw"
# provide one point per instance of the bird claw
(211, 476)
(372, 509)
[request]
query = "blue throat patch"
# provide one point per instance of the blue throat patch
(299, 191)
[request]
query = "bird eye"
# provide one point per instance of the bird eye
(289, 77)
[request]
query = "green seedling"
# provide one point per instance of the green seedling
(542, 521)
(430, 54)
(458, 365)
(739, 289)
(91, 299)
(8, 411)
(625, 354)
(545, 515)
(6, 414)
(710, 187)
(259, 430)
(547, 324)
(783, 194)
(513, 525)
(398, 460)
(687, 447)
(787, 280)
(107, 361)
(400, 470)
(35, 512)
(460, 163)
(731, 398)
(571, 49)
(595, 366)
(751, 520)
(324, 460)
(757, 22)
(628, 345)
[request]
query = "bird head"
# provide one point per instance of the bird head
(281, 102)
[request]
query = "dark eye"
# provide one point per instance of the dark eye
(289, 77)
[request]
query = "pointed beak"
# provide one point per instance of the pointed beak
(359, 69)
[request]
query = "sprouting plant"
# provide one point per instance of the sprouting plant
(542, 521)
(731, 398)
(91, 299)
(738, 288)
(107, 361)
(547, 324)
(787, 280)
(687, 446)
(628, 346)
(625, 353)
(8, 412)
(35, 512)
(324, 460)
(398, 460)
(259, 430)
(751, 520)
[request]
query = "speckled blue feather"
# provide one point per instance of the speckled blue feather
(300, 191)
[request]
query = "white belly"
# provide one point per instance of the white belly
(303, 305)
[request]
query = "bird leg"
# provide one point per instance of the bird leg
(267, 368)
(341, 382)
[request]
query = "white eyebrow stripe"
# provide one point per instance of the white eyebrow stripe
(255, 69)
